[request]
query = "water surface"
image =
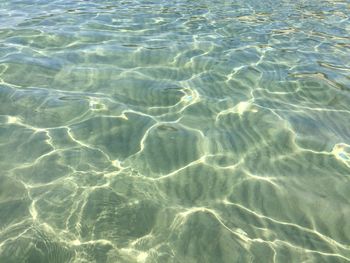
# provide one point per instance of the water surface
(174, 131)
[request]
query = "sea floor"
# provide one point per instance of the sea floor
(174, 131)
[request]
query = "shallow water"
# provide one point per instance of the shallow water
(174, 131)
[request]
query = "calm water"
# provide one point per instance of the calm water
(174, 131)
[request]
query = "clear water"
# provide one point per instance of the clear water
(174, 131)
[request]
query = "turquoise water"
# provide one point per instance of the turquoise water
(174, 131)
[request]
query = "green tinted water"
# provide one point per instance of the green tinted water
(174, 131)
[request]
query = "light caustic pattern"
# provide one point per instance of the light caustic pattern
(174, 131)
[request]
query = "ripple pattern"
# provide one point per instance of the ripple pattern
(174, 131)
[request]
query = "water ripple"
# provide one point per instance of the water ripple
(154, 131)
